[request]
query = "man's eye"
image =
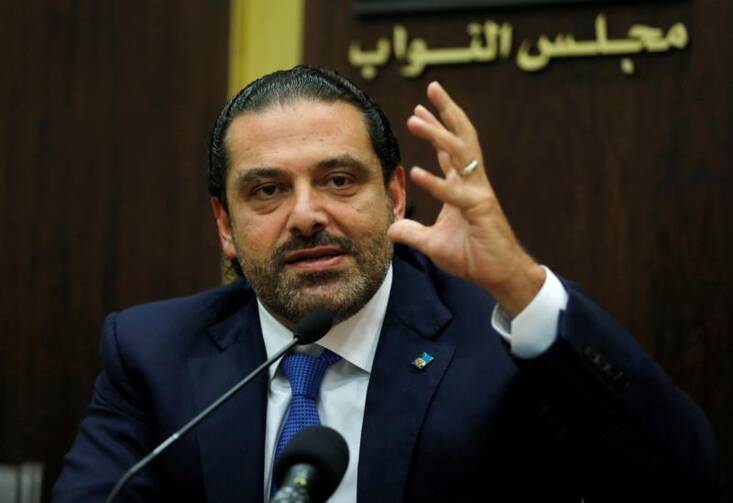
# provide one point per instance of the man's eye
(340, 181)
(267, 190)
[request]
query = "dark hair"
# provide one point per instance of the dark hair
(282, 87)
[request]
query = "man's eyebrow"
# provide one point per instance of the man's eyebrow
(264, 173)
(346, 161)
(256, 174)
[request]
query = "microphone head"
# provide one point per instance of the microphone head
(324, 449)
(313, 326)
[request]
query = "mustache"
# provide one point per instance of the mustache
(297, 243)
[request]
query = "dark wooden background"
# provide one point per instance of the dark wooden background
(620, 183)
(105, 111)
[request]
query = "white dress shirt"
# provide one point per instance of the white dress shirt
(344, 387)
(534, 329)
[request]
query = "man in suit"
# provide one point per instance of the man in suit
(462, 367)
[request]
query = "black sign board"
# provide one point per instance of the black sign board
(405, 6)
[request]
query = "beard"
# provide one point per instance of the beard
(343, 292)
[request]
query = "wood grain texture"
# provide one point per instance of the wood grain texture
(106, 110)
(620, 183)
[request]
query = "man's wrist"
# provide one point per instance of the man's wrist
(520, 288)
(534, 329)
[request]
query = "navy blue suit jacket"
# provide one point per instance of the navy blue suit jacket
(593, 417)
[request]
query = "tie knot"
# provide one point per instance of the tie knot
(305, 373)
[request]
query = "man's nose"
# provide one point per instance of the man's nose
(308, 215)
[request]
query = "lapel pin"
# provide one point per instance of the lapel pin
(422, 361)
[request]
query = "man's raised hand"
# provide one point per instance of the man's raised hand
(471, 237)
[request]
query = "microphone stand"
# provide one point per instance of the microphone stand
(196, 420)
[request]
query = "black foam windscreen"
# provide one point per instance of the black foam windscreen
(313, 326)
(321, 447)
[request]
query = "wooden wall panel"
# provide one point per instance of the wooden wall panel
(106, 109)
(619, 182)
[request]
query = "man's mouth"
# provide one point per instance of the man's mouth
(320, 257)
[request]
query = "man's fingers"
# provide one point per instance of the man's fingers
(446, 162)
(450, 113)
(411, 233)
(442, 189)
(427, 116)
(439, 137)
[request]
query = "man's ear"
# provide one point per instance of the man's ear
(397, 193)
(224, 227)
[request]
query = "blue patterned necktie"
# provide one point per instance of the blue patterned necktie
(305, 374)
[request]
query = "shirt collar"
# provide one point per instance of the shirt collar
(354, 339)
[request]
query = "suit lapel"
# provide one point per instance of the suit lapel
(231, 440)
(399, 394)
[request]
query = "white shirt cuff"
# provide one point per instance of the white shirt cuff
(534, 329)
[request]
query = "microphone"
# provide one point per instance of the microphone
(310, 328)
(313, 326)
(311, 466)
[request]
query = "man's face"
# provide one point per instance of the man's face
(308, 208)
